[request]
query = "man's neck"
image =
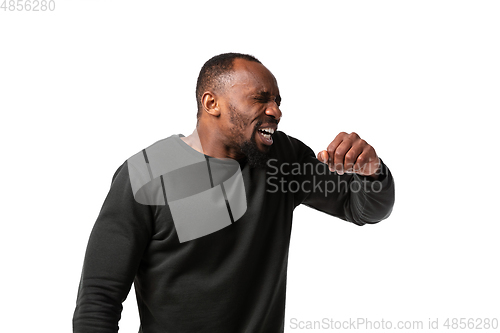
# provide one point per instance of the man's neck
(193, 141)
(201, 141)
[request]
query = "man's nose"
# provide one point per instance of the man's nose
(274, 111)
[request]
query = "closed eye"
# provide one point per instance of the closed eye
(265, 97)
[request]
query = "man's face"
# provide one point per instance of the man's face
(250, 108)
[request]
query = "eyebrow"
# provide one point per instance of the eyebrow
(267, 95)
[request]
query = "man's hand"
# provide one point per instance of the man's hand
(350, 154)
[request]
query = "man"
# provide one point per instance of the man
(202, 223)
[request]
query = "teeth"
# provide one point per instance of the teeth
(268, 130)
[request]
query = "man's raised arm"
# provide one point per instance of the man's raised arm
(361, 190)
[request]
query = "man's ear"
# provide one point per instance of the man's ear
(210, 103)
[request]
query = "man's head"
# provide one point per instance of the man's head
(214, 74)
(237, 99)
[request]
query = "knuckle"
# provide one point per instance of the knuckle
(370, 150)
(361, 159)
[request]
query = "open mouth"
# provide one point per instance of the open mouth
(266, 135)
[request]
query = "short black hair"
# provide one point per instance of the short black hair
(213, 70)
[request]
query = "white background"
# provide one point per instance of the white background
(86, 86)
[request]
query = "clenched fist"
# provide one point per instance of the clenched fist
(350, 154)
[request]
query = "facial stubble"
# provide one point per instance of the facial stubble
(256, 158)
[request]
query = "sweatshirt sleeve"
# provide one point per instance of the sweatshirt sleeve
(117, 242)
(351, 197)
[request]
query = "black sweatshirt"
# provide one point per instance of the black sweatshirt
(228, 279)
